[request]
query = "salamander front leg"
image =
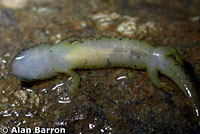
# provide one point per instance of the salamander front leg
(75, 80)
(153, 76)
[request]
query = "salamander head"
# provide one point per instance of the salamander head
(33, 63)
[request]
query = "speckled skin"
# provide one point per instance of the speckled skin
(45, 61)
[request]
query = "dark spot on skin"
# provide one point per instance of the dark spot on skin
(108, 63)
(131, 52)
(85, 62)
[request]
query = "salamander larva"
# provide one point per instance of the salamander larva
(45, 61)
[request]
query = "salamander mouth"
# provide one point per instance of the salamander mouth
(17, 74)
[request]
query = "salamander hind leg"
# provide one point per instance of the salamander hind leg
(169, 51)
(153, 76)
(75, 81)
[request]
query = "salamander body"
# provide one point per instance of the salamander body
(45, 61)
